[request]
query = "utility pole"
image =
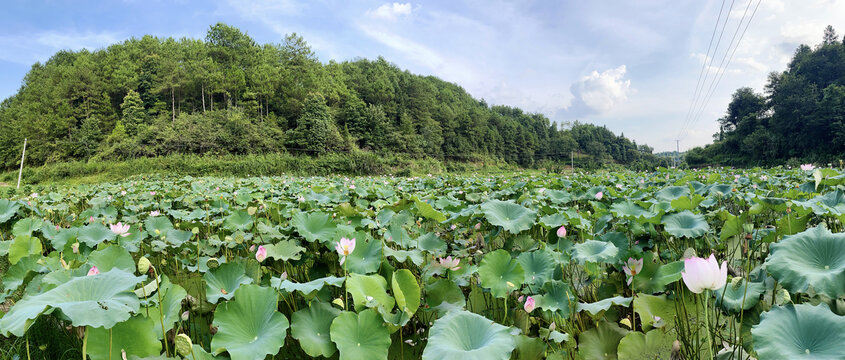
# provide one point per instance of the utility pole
(677, 153)
(23, 153)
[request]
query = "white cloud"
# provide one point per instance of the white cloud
(415, 51)
(27, 49)
(599, 92)
(390, 11)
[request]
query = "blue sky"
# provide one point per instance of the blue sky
(630, 65)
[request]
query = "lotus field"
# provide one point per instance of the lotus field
(727, 264)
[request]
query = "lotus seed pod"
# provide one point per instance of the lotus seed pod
(143, 265)
(183, 344)
(195, 230)
(251, 210)
(239, 238)
(158, 232)
(212, 263)
(783, 297)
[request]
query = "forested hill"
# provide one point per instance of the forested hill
(229, 95)
(800, 116)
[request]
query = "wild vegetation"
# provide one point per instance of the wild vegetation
(682, 264)
(799, 117)
(226, 94)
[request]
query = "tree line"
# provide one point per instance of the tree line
(226, 94)
(799, 117)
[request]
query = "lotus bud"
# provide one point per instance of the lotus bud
(185, 315)
(75, 247)
(783, 297)
(284, 275)
(212, 263)
(183, 344)
(143, 265)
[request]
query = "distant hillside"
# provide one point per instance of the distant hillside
(229, 95)
(800, 116)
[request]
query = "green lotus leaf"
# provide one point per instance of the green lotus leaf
(198, 353)
(160, 223)
(648, 307)
(557, 296)
(655, 276)
(731, 297)
(284, 250)
(306, 288)
(238, 221)
(509, 215)
(23, 246)
(595, 251)
(176, 238)
(653, 345)
(601, 341)
(360, 336)
(312, 326)
(64, 237)
(602, 305)
(528, 347)
(99, 301)
(94, 234)
(112, 257)
(135, 336)
(685, 224)
(397, 234)
(314, 226)
(671, 193)
(539, 266)
(427, 211)
(369, 289)
(406, 291)
(799, 332)
(629, 209)
(367, 256)
(8, 209)
(558, 336)
(249, 327)
(221, 283)
(170, 308)
(25, 227)
(401, 256)
(500, 273)
(432, 243)
(17, 274)
(444, 293)
(462, 335)
(553, 220)
(814, 257)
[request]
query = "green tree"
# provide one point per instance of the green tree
(315, 131)
(132, 110)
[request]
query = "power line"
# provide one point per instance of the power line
(722, 70)
(705, 68)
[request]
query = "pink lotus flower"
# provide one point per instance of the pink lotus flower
(120, 229)
(619, 186)
(449, 263)
(345, 247)
(529, 304)
(123, 193)
(807, 167)
(599, 195)
(152, 193)
(477, 226)
(93, 271)
(700, 274)
(632, 267)
(155, 213)
(261, 254)
(561, 232)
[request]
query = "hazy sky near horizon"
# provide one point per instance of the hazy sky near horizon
(630, 65)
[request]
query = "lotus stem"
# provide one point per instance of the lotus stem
(160, 310)
(345, 287)
(707, 324)
(27, 347)
(85, 345)
(110, 343)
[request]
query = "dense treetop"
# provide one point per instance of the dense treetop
(227, 94)
(799, 116)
